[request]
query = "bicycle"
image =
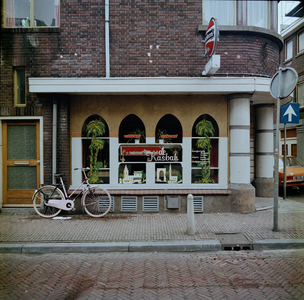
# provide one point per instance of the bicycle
(49, 200)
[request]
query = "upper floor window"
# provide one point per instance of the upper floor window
(300, 91)
(19, 78)
(301, 41)
(288, 49)
(222, 10)
(31, 13)
(258, 13)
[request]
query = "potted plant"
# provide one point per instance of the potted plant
(95, 129)
(161, 137)
(137, 136)
(205, 129)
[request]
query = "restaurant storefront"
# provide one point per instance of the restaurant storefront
(167, 138)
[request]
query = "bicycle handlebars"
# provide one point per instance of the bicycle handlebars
(83, 169)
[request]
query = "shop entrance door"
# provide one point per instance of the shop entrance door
(21, 161)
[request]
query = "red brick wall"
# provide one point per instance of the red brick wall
(147, 38)
(248, 53)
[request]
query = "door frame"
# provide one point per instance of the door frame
(25, 118)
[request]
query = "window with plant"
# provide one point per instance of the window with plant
(31, 13)
(205, 150)
(95, 144)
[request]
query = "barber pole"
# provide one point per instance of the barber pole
(211, 37)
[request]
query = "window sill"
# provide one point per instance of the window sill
(31, 30)
(287, 60)
(300, 53)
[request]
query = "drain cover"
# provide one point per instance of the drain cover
(234, 241)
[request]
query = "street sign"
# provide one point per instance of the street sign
(281, 87)
(290, 113)
(211, 37)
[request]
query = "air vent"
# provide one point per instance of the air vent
(198, 203)
(103, 203)
(173, 202)
(150, 203)
(128, 203)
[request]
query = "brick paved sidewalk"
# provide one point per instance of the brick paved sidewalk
(29, 228)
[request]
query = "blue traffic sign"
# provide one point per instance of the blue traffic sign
(290, 113)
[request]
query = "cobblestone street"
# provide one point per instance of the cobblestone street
(218, 275)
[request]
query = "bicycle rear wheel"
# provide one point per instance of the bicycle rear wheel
(97, 202)
(41, 196)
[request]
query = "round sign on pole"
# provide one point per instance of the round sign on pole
(287, 83)
(211, 37)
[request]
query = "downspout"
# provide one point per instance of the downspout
(107, 38)
(54, 150)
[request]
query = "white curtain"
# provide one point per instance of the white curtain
(56, 7)
(257, 13)
(222, 10)
(9, 13)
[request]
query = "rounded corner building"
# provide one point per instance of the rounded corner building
(118, 86)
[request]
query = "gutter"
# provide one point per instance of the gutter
(107, 38)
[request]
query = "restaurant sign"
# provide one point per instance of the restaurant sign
(153, 153)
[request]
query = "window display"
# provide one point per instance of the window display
(205, 151)
(96, 149)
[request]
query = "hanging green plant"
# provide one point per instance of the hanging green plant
(161, 135)
(95, 129)
(205, 129)
(137, 132)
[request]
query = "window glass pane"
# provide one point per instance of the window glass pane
(301, 41)
(289, 49)
(17, 13)
(46, 13)
(22, 178)
(222, 10)
(21, 142)
(20, 86)
(132, 174)
(301, 94)
(257, 13)
(168, 173)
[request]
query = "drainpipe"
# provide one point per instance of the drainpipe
(54, 150)
(107, 38)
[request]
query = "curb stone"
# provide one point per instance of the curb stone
(278, 244)
(172, 246)
(175, 246)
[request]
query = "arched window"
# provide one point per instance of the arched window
(132, 130)
(95, 148)
(205, 133)
(169, 169)
(169, 130)
(132, 170)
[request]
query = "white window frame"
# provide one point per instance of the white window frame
(299, 99)
(301, 41)
(288, 51)
(215, 15)
(249, 20)
(31, 22)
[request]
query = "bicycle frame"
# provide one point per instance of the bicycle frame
(67, 203)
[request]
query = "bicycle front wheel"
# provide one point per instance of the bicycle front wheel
(41, 196)
(97, 202)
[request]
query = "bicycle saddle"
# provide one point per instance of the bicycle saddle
(59, 175)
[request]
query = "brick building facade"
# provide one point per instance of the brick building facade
(137, 65)
(293, 56)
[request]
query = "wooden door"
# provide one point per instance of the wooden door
(21, 161)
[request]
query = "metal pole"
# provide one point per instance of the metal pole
(276, 161)
(284, 161)
(54, 158)
(190, 216)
